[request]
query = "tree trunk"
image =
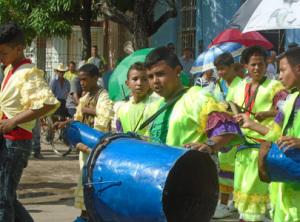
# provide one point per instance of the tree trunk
(85, 26)
(140, 39)
(141, 19)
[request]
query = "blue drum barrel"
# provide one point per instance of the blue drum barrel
(283, 166)
(130, 180)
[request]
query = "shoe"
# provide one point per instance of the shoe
(38, 156)
(231, 206)
(80, 219)
(221, 211)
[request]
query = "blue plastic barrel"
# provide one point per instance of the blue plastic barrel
(133, 180)
(79, 132)
(283, 166)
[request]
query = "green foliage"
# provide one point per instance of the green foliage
(124, 5)
(42, 17)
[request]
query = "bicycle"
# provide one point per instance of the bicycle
(51, 135)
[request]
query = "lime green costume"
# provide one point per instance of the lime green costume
(285, 197)
(250, 194)
(226, 156)
(189, 119)
(131, 115)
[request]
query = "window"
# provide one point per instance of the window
(188, 23)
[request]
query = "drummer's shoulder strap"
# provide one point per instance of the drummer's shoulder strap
(163, 108)
(291, 115)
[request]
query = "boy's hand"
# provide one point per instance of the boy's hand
(288, 142)
(60, 125)
(243, 120)
(199, 146)
(7, 125)
(260, 116)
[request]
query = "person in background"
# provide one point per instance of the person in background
(272, 65)
(224, 90)
(171, 46)
(131, 114)
(206, 79)
(97, 60)
(61, 88)
(187, 62)
(24, 97)
(71, 73)
(74, 96)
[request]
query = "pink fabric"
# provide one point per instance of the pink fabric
(281, 95)
(216, 117)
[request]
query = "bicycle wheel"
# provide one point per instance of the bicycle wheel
(59, 143)
(47, 132)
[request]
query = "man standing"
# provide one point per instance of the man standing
(24, 97)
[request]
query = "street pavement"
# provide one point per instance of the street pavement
(47, 188)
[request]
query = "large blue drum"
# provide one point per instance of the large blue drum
(283, 166)
(132, 180)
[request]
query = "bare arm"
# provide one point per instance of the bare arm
(7, 125)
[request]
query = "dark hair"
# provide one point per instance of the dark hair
(225, 59)
(72, 62)
(253, 50)
(162, 54)
(90, 69)
(292, 55)
(11, 33)
(95, 46)
(171, 44)
(139, 66)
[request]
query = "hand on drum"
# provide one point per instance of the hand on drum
(288, 142)
(199, 146)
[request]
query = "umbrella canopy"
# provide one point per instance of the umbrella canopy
(246, 39)
(117, 87)
(266, 15)
(205, 60)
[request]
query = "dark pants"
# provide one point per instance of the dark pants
(13, 159)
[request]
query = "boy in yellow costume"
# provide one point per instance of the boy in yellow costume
(95, 110)
(24, 97)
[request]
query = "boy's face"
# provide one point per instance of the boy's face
(87, 82)
(289, 75)
(256, 67)
(163, 79)
(60, 74)
(224, 72)
(138, 83)
(72, 67)
(9, 54)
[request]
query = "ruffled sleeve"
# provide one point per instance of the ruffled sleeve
(281, 95)
(35, 91)
(220, 123)
(104, 112)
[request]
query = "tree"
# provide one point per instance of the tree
(51, 18)
(138, 16)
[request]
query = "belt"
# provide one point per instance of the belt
(248, 146)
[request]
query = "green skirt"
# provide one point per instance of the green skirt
(226, 163)
(285, 202)
(251, 196)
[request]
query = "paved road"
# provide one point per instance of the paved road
(47, 188)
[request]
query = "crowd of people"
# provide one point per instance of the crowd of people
(229, 112)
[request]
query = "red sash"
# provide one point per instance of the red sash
(17, 133)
